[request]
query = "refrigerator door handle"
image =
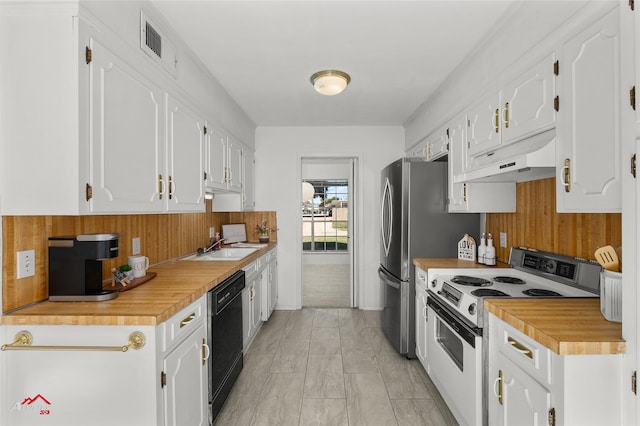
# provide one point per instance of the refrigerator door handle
(388, 280)
(386, 205)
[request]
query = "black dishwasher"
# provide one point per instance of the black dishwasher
(224, 309)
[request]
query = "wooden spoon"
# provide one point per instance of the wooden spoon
(608, 258)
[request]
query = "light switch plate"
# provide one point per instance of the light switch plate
(503, 239)
(26, 263)
(212, 232)
(135, 245)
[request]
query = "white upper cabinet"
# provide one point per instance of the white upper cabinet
(528, 102)
(224, 162)
(185, 143)
(248, 179)
(483, 132)
(433, 146)
(473, 196)
(126, 142)
(524, 107)
(588, 153)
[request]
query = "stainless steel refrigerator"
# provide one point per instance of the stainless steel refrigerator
(414, 224)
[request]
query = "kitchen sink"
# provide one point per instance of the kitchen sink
(227, 253)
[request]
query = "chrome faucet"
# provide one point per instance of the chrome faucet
(202, 251)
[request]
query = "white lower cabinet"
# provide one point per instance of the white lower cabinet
(421, 316)
(269, 285)
(186, 393)
(162, 382)
(252, 302)
(528, 384)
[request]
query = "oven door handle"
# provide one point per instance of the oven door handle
(461, 329)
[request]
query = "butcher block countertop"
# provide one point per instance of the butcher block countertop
(566, 326)
(176, 285)
(432, 262)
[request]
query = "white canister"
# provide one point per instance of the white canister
(139, 264)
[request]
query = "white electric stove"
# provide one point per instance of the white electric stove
(532, 274)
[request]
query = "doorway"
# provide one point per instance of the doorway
(327, 214)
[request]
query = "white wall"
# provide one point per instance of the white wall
(278, 175)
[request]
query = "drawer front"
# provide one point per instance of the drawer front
(179, 326)
(251, 270)
(531, 356)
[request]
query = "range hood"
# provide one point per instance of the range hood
(529, 159)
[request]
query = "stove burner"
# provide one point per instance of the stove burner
(538, 292)
(471, 281)
(488, 292)
(509, 280)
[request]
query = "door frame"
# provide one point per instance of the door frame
(355, 201)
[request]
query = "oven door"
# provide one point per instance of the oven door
(454, 362)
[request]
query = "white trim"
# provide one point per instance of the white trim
(357, 289)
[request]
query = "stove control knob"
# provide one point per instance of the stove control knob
(472, 309)
(434, 283)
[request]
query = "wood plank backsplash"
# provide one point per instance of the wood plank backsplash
(162, 237)
(536, 224)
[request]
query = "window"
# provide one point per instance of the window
(325, 217)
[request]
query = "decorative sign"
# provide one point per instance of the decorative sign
(467, 248)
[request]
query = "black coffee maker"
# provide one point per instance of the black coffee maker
(75, 267)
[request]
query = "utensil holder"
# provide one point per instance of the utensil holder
(611, 295)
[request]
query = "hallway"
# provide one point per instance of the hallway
(333, 367)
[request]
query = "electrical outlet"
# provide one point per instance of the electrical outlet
(212, 232)
(135, 245)
(503, 239)
(26, 263)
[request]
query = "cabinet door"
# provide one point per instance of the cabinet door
(438, 145)
(456, 160)
(186, 392)
(185, 140)
(273, 278)
(234, 169)
(216, 159)
(248, 180)
(588, 153)
(524, 401)
(126, 143)
(527, 102)
(421, 326)
(256, 304)
(246, 317)
(483, 131)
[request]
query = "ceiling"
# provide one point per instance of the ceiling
(397, 53)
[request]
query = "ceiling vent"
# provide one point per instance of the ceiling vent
(156, 45)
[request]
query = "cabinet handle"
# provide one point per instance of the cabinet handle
(498, 390)
(506, 115)
(464, 191)
(497, 118)
(424, 314)
(566, 175)
(187, 320)
(161, 187)
(206, 352)
(520, 347)
(170, 187)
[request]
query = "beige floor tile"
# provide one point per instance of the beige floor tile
(325, 317)
(402, 377)
(291, 356)
(278, 412)
(237, 412)
(419, 412)
(324, 378)
(253, 376)
(324, 412)
(325, 341)
(372, 318)
(367, 400)
(359, 360)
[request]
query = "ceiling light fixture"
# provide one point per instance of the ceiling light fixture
(330, 82)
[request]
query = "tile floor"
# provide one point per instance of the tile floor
(330, 366)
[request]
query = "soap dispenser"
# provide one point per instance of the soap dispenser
(482, 249)
(490, 253)
(217, 241)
